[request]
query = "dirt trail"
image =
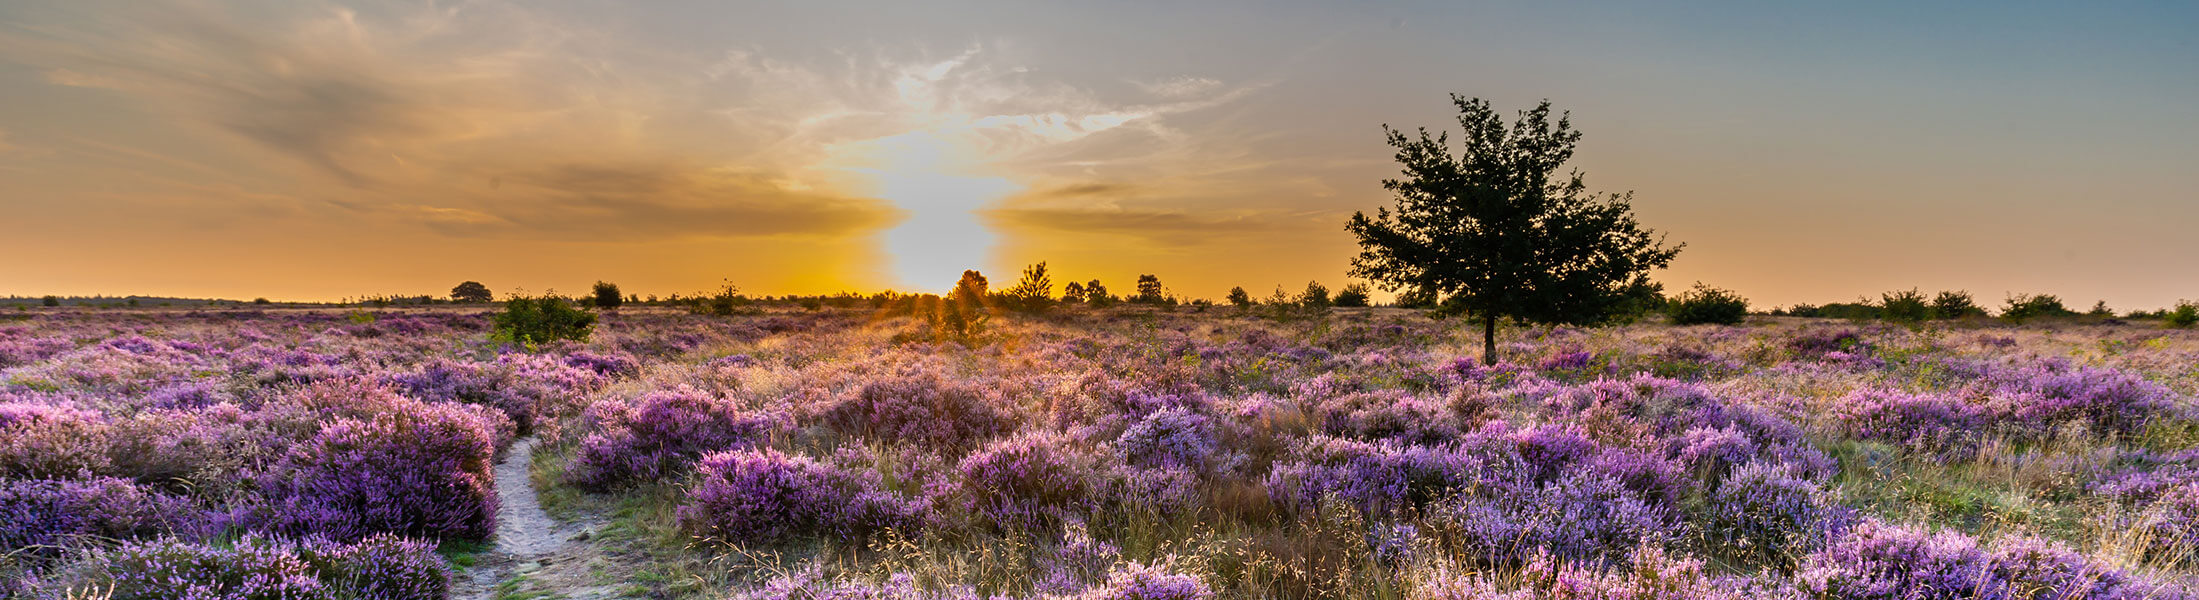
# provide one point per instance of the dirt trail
(530, 546)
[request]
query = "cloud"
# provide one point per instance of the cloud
(1128, 210)
(408, 112)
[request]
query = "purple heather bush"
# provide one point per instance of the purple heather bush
(1926, 421)
(2042, 396)
(419, 470)
(1142, 582)
(1076, 563)
(41, 517)
(1650, 573)
(49, 441)
(659, 434)
(1172, 437)
(1875, 561)
(381, 567)
(926, 409)
(1763, 512)
(1029, 478)
(1381, 478)
(1581, 517)
(752, 496)
(1389, 414)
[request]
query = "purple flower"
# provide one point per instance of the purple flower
(748, 496)
(659, 434)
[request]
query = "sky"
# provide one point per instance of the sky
(1813, 152)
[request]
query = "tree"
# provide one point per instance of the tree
(1239, 298)
(50, 301)
(1708, 305)
(532, 322)
(1096, 294)
(963, 312)
(1954, 305)
(1149, 289)
(1074, 292)
(1315, 300)
(1496, 232)
(471, 291)
(1353, 296)
(608, 296)
(1035, 292)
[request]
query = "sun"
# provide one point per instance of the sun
(931, 176)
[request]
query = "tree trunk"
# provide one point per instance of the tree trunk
(1489, 339)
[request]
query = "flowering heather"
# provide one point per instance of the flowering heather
(1580, 517)
(381, 567)
(1927, 421)
(2042, 396)
(42, 517)
(1764, 512)
(1380, 477)
(419, 471)
(48, 441)
(1170, 437)
(660, 434)
(748, 496)
(922, 408)
(1650, 573)
(1876, 560)
(1030, 477)
(1141, 582)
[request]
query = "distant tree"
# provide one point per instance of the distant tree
(963, 312)
(2100, 309)
(49, 301)
(608, 296)
(260, 301)
(2023, 307)
(1096, 294)
(471, 292)
(2184, 315)
(1906, 306)
(1074, 292)
(1353, 296)
(1496, 232)
(1954, 305)
(1149, 290)
(533, 322)
(1035, 292)
(1315, 300)
(1709, 305)
(1238, 297)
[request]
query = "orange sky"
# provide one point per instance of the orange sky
(320, 150)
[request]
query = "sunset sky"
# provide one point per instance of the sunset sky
(315, 150)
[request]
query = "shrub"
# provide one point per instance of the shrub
(1239, 298)
(2040, 397)
(532, 322)
(1140, 582)
(1170, 437)
(1353, 296)
(1380, 478)
(1906, 306)
(925, 409)
(1581, 517)
(659, 434)
(1924, 421)
(762, 495)
(2023, 307)
(381, 567)
(607, 296)
(1765, 513)
(49, 301)
(43, 441)
(1649, 573)
(1033, 293)
(1030, 478)
(40, 517)
(1707, 305)
(417, 470)
(1875, 560)
(2184, 315)
(1315, 300)
(1955, 305)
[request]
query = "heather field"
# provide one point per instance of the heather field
(1125, 453)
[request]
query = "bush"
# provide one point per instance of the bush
(1353, 296)
(607, 296)
(40, 517)
(925, 409)
(1876, 560)
(1030, 478)
(761, 495)
(2022, 307)
(2040, 397)
(43, 441)
(1955, 305)
(2184, 315)
(1239, 298)
(1581, 517)
(659, 434)
(49, 301)
(381, 567)
(1707, 305)
(1170, 437)
(415, 469)
(1906, 306)
(532, 322)
(1924, 421)
(1765, 513)
(1315, 300)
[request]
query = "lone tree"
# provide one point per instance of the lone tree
(1035, 292)
(1149, 289)
(607, 296)
(471, 291)
(1496, 231)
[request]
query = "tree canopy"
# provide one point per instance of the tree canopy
(1492, 229)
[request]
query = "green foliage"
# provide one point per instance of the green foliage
(1315, 300)
(2100, 309)
(1239, 298)
(262, 301)
(607, 296)
(1353, 296)
(1149, 290)
(471, 291)
(1708, 305)
(1074, 292)
(1955, 305)
(963, 313)
(1034, 293)
(726, 302)
(1906, 306)
(1096, 295)
(2184, 315)
(1499, 231)
(532, 322)
(2023, 307)
(49, 301)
